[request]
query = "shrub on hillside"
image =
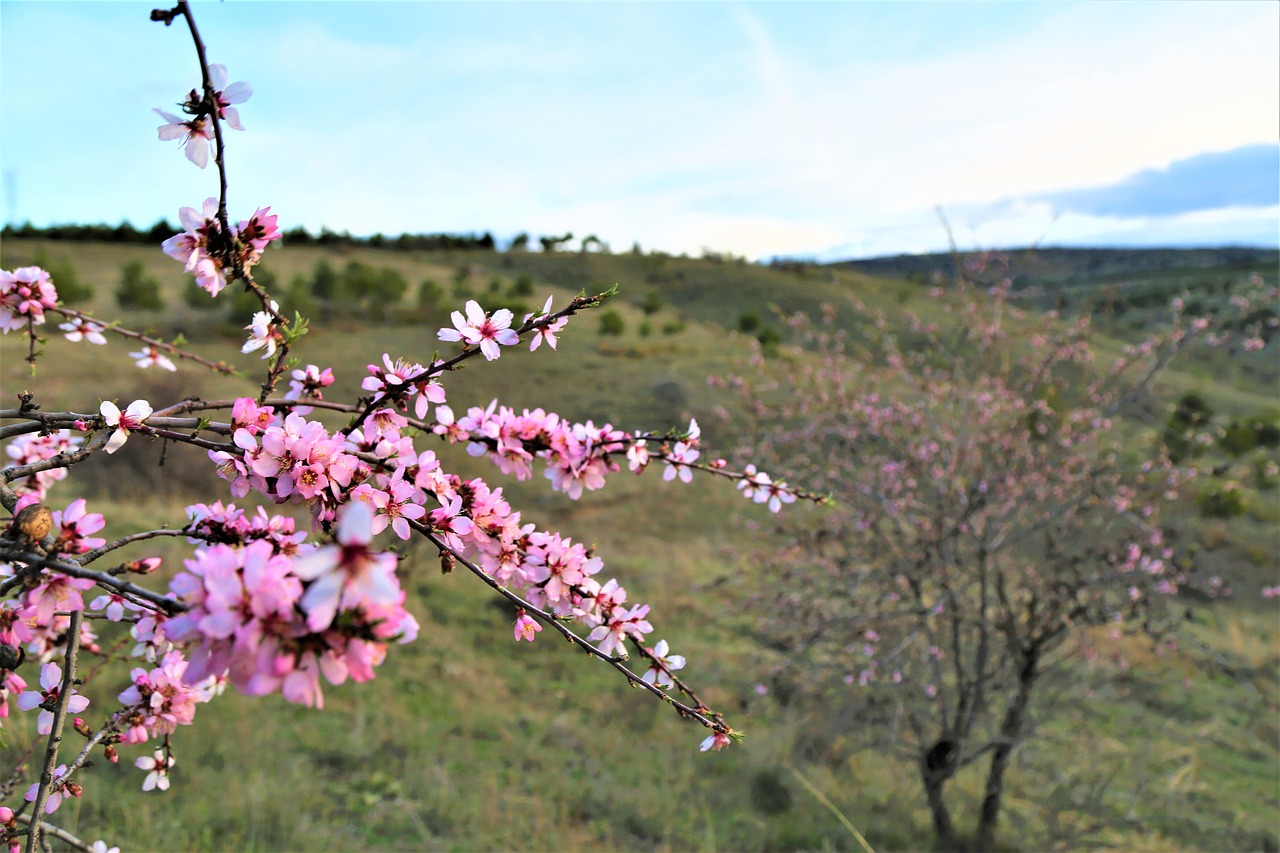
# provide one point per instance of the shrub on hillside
(429, 293)
(137, 290)
(1222, 500)
(611, 323)
(523, 285)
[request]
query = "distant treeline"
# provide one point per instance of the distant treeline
(1056, 265)
(163, 230)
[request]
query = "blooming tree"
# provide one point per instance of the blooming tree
(262, 605)
(997, 503)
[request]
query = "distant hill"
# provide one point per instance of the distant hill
(1059, 266)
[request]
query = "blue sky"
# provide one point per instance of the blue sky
(826, 130)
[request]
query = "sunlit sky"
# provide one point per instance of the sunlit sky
(825, 130)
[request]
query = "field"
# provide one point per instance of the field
(467, 741)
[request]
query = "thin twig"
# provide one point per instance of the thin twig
(55, 734)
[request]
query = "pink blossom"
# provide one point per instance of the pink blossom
(26, 449)
(47, 697)
(113, 606)
(24, 294)
(75, 525)
(150, 356)
(660, 675)
(347, 574)
(123, 422)
(306, 385)
(192, 246)
(477, 328)
(450, 522)
(83, 330)
(196, 134)
(259, 230)
(638, 457)
(157, 769)
(715, 742)
(677, 462)
(246, 414)
(394, 506)
(526, 627)
(263, 334)
(58, 790)
(548, 331)
(224, 96)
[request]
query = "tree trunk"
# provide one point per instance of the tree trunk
(1011, 730)
(944, 831)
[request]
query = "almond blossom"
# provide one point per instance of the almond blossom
(480, 329)
(26, 449)
(546, 332)
(224, 96)
(678, 462)
(24, 294)
(75, 525)
(196, 134)
(47, 697)
(58, 790)
(263, 334)
(716, 742)
(123, 422)
(257, 232)
(192, 246)
(347, 574)
(659, 673)
(150, 356)
(306, 384)
(526, 627)
(157, 769)
(83, 330)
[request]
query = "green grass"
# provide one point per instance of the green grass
(466, 740)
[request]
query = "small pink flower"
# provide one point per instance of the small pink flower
(477, 328)
(224, 96)
(661, 675)
(526, 627)
(716, 742)
(24, 294)
(196, 134)
(83, 330)
(263, 334)
(130, 419)
(58, 791)
(677, 461)
(51, 684)
(347, 575)
(638, 457)
(259, 230)
(547, 332)
(157, 770)
(151, 356)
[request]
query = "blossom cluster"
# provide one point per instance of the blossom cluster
(257, 605)
(24, 294)
(206, 252)
(270, 615)
(33, 447)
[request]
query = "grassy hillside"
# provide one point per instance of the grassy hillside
(468, 741)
